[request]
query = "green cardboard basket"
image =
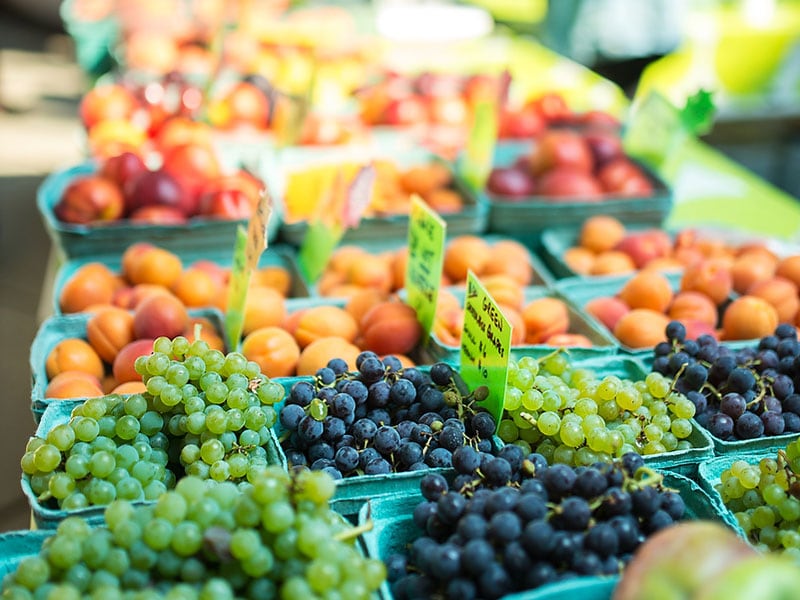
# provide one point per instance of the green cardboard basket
(93, 39)
(393, 529)
(471, 219)
(276, 255)
(56, 329)
(533, 214)
(15, 546)
(45, 517)
(603, 343)
(74, 241)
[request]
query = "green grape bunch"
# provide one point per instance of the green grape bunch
(204, 413)
(764, 496)
(271, 536)
(573, 416)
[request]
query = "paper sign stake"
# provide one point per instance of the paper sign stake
(426, 238)
(485, 346)
(247, 250)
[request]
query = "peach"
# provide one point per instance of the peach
(160, 315)
(641, 328)
(157, 266)
(748, 317)
(129, 387)
(362, 300)
(510, 258)
(73, 354)
(612, 262)
(781, 293)
(569, 340)
(73, 384)
(274, 349)
(644, 246)
(693, 306)
(373, 272)
(647, 289)
(464, 253)
(123, 364)
(390, 328)
(607, 309)
(750, 269)
(139, 293)
(601, 233)
(195, 287)
(580, 260)
(317, 354)
(710, 277)
(109, 330)
(219, 274)
(325, 321)
(264, 307)
(544, 318)
(789, 268)
(92, 284)
(695, 328)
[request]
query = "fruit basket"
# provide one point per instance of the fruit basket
(393, 529)
(18, 545)
(602, 343)
(74, 241)
(530, 215)
(281, 172)
(279, 256)
(58, 329)
(47, 517)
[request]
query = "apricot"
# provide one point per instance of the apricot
(693, 306)
(569, 340)
(359, 303)
(207, 331)
(464, 253)
(423, 179)
(109, 330)
(509, 257)
(139, 293)
(647, 289)
(73, 354)
(695, 328)
(373, 272)
(664, 264)
(123, 364)
(607, 309)
(789, 268)
(274, 349)
(504, 289)
(325, 321)
(748, 317)
(601, 233)
(514, 316)
(580, 260)
(317, 354)
(160, 315)
(710, 277)
(751, 269)
(444, 201)
(91, 284)
(264, 307)
(129, 387)
(780, 293)
(641, 328)
(153, 265)
(329, 281)
(644, 246)
(276, 277)
(73, 384)
(399, 266)
(344, 257)
(449, 319)
(195, 287)
(219, 274)
(612, 262)
(543, 318)
(390, 328)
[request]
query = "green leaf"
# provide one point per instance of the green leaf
(697, 115)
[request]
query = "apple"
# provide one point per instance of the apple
(511, 182)
(158, 215)
(192, 165)
(89, 199)
(226, 204)
(565, 181)
(158, 188)
(561, 148)
(107, 103)
(122, 168)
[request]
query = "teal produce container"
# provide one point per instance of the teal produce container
(15, 546)
(393, 529)
(75, 241)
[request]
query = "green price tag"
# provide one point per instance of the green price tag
(247, 250)
(476, 163)
(319, 243)
(426, 236)
(654, 130)
(485, 345)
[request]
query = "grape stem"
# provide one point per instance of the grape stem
(353, 532)
(645, 477)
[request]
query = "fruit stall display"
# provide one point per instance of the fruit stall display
(335, 444)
